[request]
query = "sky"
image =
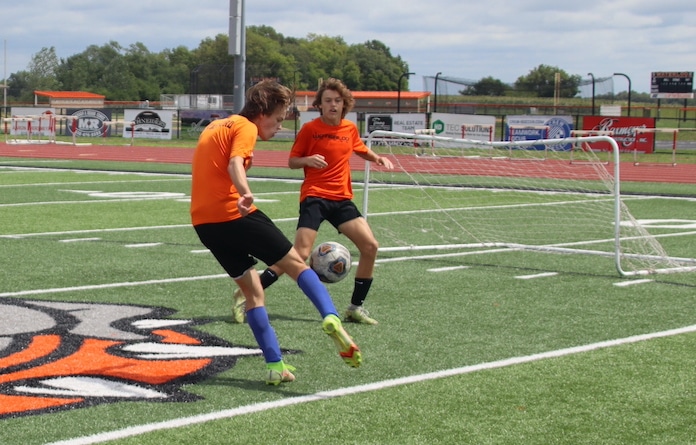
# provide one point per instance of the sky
(461, 39)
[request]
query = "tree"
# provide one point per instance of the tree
(171, 69)
(487, 86)
(42, 72)
(135, 73)
(541, 82)
(93, 69)
(378, 69)
(18, 86)
(266, 56)
(213, 68)
(327, 57)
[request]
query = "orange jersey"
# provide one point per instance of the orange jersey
(336, 144)
(213, 195)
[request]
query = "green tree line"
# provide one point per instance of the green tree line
(135, 73)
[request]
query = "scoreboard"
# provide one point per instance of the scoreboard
(672, 85)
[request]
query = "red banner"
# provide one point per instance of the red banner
(623, 131)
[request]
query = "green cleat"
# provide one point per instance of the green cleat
(239, 307)
(277, 373)
(347, 349)
(359, 315)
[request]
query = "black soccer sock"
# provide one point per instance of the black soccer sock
(268, 277)
(362, 287)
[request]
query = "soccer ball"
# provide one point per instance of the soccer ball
(331, 261)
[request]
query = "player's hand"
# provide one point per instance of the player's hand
(385, 162)
(316, 161)
(244, 203)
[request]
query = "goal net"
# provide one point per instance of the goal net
(468, 197)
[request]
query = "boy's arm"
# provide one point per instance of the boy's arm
(377, 159)
(314, 161)
(237, 173)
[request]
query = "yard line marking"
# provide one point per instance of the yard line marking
(133, 199)
(77, 232)
(115, 229)
(46, 184)
(142, 245)
(447, 269)
(321, 396)
(632, 282)
(109, 285)
(75, 240)
(89, 201)
(536, 275)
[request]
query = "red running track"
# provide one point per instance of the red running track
(680, 173)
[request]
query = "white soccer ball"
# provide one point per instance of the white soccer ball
(331, 261)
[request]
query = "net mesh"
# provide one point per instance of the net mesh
(545, 196)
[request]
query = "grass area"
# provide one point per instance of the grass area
(662, 154)
(471, 348)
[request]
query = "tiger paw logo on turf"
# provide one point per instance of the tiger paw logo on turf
(57, 355)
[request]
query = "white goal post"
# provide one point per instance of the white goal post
(472, 197)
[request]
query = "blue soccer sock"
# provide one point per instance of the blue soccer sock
(264, 334)
(309, 282)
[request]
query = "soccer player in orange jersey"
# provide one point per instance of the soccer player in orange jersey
(236, 231)
(323, 148)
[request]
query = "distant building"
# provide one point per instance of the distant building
(70, 99)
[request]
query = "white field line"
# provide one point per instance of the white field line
(447, 269)
(633, 282)
(77, 240)
(92, 201)
(81, 232)
(376, 386)
(138, 245)
(115, 229)
(144, 198)
(60, 184)
(16, 169)
(109, 285)
(537, 275)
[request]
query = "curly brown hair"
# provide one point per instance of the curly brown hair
(341, 88)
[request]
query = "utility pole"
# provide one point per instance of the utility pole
(4, 81)
(237, 48)
(593, 91)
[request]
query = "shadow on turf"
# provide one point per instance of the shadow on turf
(272, 317)
(252, 385)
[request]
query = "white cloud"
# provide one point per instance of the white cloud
(464, 39)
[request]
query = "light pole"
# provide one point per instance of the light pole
(435, 104)
(398, 94)
(294, 99)
(593, 91)
(4, 80)
(629, 90)
(237, 48)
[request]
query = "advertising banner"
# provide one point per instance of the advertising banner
(398, 122)
(88, 122)
(464, 126)
(149, 124)
(530, 127)
(624, 132)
